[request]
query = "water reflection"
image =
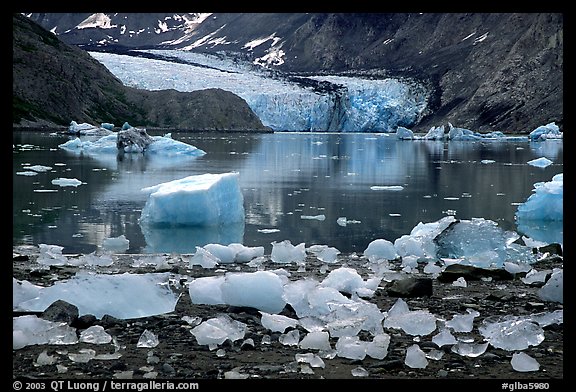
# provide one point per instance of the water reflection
(283, 176)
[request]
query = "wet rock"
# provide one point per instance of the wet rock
(61, 311)
(84, 321)
(469, 272)
(553, 249)
(411, 287)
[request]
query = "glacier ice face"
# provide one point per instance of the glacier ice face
(349, 105)
(200, 200)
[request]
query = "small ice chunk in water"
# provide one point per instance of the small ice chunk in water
(540, 162)
(415, 357)
(66, 182)
(147, 340)
(277, 322)
(522, 362)
(285, 252)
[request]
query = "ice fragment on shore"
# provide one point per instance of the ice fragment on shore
(553, 290)
(22, 291)
(522, 362)
(95, 334)
(30, 330)
(511, 332)
(51, 255)
(45, 359)
(291, 338)
(316, 340)
(463, 322)
(471, 350)
(312, 359)
(444, 337)
(217, 330)
(380, 249)
(277, 322)
(262, 290)
(415, 357)
(359, 371)
(417, 322)
(285, 252)
(116, 244)
(147, 340)
(348, 280)
(325, 253)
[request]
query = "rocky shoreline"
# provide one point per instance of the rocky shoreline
(260, 354)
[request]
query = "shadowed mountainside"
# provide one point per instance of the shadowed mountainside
(54, 83)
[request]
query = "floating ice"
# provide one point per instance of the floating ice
(387, 187)
(66, 182)
(522, 362)
(380, 249)
(161, 146)
(122, 296)
(415, 357)
(546, 203)
(553, 290)
(544, 132)
(30, 330)
(343, 221)
(217, 330)
(540, 162)
(116, 244)
(511, 332)
(285, 252)
(404, 133)
(202, 200)
(320, 217)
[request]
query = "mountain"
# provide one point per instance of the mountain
(54, 83)
(487, 71)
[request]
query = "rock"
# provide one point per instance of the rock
(133, 137)
(553, 249)
(84, 321)
(454, 271)
(411, 287)
(61, 311)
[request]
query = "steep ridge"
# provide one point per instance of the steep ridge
(488, 71)
(54, 83)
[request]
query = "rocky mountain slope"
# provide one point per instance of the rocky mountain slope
(488, 71)
(54, 83)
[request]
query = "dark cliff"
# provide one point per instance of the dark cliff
(54, 83)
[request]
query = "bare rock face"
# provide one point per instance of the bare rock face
(54, 82)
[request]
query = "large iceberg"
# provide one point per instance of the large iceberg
(546, 203)
(163, 146)
(201, 200)
(544, 132)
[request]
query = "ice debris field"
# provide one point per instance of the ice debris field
(332, 311)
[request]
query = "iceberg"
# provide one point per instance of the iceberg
(163, 146)
(546, 203)
(201, 200)
(540, 162)
(544, 132)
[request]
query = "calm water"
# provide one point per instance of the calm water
(283, 176)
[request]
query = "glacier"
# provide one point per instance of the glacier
(337, 104)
